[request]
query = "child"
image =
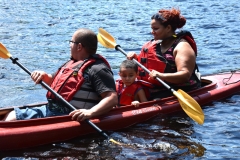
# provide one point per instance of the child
(130, 90)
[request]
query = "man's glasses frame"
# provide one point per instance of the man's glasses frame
(74, 42)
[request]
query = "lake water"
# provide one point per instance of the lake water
(37, 33)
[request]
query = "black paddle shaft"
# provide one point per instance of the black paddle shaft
(14, 60)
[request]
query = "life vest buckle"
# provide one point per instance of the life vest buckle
(75, 73)
(145, 50)
(143, 60)
(142, 73)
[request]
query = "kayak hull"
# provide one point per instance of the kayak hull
(29, 133)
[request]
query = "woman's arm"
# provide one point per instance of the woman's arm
(185, 60)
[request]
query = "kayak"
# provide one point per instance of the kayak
(29, 133)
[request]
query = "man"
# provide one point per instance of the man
(86, 81)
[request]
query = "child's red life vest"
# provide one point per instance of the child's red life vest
(127, 94)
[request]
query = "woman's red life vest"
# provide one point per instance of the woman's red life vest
(152, 58)
(127, 94)
(69, 77)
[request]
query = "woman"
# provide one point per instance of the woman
(169, 56)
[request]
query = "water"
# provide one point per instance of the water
(37, 32)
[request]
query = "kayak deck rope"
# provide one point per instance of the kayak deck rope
(225, 80)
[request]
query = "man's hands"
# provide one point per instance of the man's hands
(37, 76)
(81, 114)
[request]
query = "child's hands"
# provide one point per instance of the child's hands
(135, 103)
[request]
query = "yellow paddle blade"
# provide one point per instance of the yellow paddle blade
(122, 144)
(107, 35)
(190, 106)
(106, 39)
(4, 52)
(116, 142)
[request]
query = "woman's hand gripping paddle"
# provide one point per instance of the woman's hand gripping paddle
(5, 54)
(188, 104)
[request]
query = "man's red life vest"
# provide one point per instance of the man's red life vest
(152, 58)
(69, 77)
(127, 94)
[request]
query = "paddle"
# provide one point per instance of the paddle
(188, 104)
(5, 54)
